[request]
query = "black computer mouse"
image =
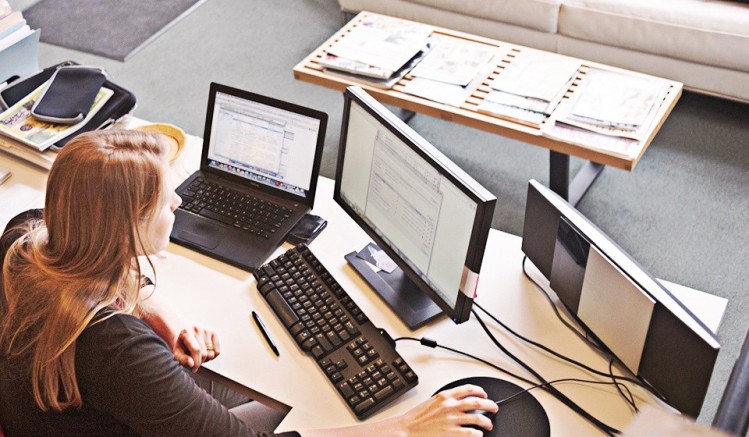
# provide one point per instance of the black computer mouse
(523, 416)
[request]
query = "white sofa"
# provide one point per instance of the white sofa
(701, 43)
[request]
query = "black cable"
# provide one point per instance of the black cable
(639, 381)
(555, 381)
(560, 356)
(631, 399)
(582, 335)
(433, 344)
(549, 388)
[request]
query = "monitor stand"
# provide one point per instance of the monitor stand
(403, 296)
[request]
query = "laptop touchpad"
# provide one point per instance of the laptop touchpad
(204, 236)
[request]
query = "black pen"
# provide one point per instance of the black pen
(264, 330)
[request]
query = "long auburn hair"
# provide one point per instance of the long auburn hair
(102, 193)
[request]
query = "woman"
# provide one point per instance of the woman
(87, 350)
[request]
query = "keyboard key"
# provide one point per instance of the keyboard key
(282, 309)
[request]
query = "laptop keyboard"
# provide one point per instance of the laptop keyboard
(358, 359)
(241, 210)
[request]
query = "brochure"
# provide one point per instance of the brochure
(615, 99)
(17, 122)
(512, 113)
(383, 42)
(454, 61)
(444, 92)
(625, 147)
(537, 75)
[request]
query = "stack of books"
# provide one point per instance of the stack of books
(19, 45)
(610, 111)
(379, 51)
(530, 87)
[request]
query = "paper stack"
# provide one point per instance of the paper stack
(610, 110)
(19, 45)
(379, 51)
(530, 87)
(451, 70)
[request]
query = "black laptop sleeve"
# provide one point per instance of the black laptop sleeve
(120, 104)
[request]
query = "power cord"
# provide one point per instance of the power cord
(584, 337)
(433, 344)
(610, 374)
(549, 388)
(547, 385)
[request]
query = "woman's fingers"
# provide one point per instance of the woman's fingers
(216, 344)
(193, 347)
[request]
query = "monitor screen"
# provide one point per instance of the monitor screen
(429, 216)
(261, 142)
(618, 302)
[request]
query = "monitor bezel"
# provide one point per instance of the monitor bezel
(485, 201)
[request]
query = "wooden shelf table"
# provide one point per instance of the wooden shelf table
(310, 70)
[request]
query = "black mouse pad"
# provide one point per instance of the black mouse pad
(521, 416)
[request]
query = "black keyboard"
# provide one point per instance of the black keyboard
(241, 210)
(358, 359)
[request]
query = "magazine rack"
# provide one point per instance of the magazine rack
(310, 70)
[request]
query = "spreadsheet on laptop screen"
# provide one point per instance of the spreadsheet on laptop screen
(263, 143)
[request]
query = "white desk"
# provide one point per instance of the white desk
(221, 297)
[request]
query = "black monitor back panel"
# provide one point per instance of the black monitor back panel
(679, 352)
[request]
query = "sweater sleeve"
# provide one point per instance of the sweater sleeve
(125, 370)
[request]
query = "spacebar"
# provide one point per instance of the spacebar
(210, 214)
(282, 309)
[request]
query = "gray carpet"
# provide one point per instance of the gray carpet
(682, 213)
(116, 29)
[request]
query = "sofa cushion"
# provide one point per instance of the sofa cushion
(703, 31)
(535, 14)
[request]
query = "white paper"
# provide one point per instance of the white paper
(512, 112)
(536, 74)
(625, 147)
(454, 61)
(617, 99)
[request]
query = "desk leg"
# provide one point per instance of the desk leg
(559, 177)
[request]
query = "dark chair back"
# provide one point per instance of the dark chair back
(733, 412)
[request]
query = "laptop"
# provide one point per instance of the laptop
(257, 178)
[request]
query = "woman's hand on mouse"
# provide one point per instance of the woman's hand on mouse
(445, 413)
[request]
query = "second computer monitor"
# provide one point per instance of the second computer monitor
(428, 215)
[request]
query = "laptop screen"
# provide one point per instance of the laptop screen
(263, 143)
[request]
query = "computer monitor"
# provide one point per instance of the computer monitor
(618, 302)
(429, 216)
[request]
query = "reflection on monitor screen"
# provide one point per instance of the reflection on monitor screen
(427, 214)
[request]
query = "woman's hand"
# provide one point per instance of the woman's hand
(195, 346)
(445, 413)
(192, 346)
